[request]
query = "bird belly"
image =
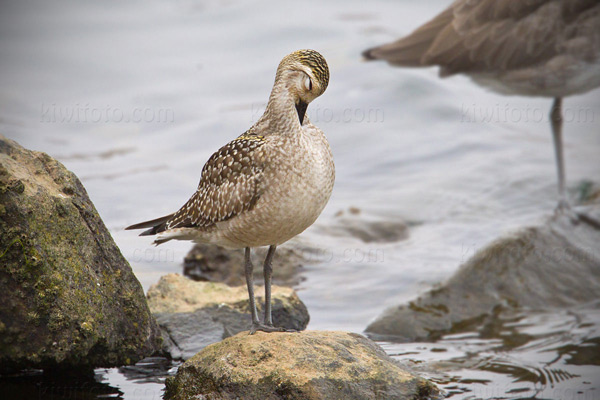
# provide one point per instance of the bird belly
(295, 192)
(559, 77)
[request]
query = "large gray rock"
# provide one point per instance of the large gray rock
(193, 315)
(69, 298)
(302, 366)
(555, 265)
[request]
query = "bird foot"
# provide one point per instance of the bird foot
(268, 328)
(564, 210)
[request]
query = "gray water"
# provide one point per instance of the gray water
(135, 96)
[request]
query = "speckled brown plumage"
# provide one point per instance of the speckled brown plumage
(230, 184)
(270, 183)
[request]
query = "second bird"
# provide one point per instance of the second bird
(266, 186)
(548, 48)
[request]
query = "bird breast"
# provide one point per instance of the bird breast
(298, 180)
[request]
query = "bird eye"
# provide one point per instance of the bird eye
(308, 84)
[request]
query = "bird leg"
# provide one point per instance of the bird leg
(248, 269)
(268, 272)
(267, 326)
(557, 121)
(563, 205)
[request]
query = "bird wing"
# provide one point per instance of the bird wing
(230, 184)
(498, 35)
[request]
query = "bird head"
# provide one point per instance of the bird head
(305, 75)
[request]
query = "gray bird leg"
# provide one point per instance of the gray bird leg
(268, 272)
(267, 326)
(248, 267)
(557, 121)
(563, 205)
(256, 325)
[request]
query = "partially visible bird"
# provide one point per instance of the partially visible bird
(548, 48)
(266, 186)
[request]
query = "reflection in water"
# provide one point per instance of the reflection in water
(150, 370)
(37, 385)
(535, 354)
(144, 380)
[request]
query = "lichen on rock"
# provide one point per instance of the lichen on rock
(311, 365)
(70, 299)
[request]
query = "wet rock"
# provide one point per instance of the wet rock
(555, 265)
(368, 230)
(588, 193)
(212, 263)
(69, 298)
(304, 365)
(193, 315)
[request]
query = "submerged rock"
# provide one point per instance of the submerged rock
(555, 265)
(367, 230)
(206, 262)
(69, 298)
(193, 315)
(304, 365)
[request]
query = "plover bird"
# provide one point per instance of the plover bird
(548, 48)
(266, 186)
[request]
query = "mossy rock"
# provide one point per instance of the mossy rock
(70, 299)
(308, 365)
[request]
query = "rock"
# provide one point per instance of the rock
(212, 263)
(69, 298)
(555, 265)
(215, 264)
(303, 365)
(193, 315)
(588, 193)
(367, 230)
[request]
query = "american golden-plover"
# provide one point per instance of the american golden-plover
(266, 186)
(548, 48)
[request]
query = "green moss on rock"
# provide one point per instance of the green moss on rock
(304, 365)
(70, 299)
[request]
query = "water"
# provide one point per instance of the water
(542, 355)
(134, 97)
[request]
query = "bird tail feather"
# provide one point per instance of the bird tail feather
(156, 225)
(412, 50)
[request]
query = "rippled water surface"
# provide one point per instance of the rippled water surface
(134, 97)
(543, 355)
